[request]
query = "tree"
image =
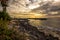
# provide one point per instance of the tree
(4, 4)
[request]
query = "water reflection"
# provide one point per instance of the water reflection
(36, 22)
(50, 23)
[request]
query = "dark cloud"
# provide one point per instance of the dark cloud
(48, 7)
(55, 8)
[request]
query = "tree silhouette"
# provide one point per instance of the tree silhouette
(4, 4)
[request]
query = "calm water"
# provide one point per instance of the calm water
(50, 23)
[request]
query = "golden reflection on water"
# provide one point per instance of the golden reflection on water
(51, 22)
(36, 22)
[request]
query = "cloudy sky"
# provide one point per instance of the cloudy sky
(18, 6)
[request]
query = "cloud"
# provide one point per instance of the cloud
(33, 5)
(55, 8)
(48, 7)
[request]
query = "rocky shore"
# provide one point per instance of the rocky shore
(33, 32)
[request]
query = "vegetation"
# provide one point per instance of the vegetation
(5, 32)
(9, 34)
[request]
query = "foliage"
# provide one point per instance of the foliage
(4, 16)
(5, 32)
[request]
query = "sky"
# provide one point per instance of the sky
(17, 6)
